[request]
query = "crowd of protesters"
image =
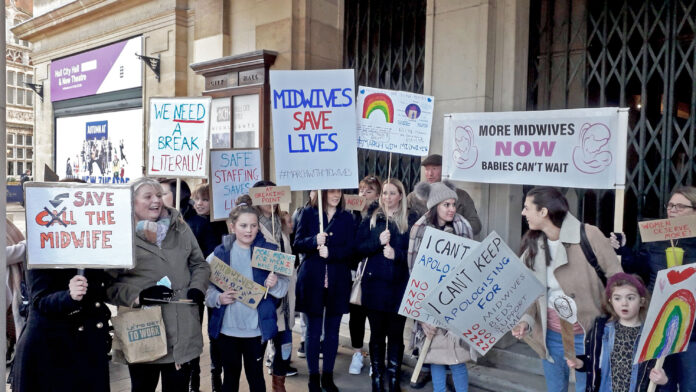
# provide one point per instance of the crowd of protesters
(64, 345)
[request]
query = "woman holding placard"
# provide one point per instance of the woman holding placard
(446, 349)
(655, 256)
(323, 280)
(552, 249)
(170, 272)
(383, 240)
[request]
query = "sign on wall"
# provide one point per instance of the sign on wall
(72, 225)
(580, 148)
(394, 121)
(220, 121)
(178, 137)
(112, 67)
(232, 173)
(100, 148)
(314, 129)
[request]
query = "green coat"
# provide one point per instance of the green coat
(181, 260)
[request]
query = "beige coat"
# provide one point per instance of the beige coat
(575, 275)
(292, 282)
(181, 260)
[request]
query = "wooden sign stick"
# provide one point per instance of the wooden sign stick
(321, 212)
(568, 338)
(658, 366)
(266, 293)
(273, 221)
(421, 358)
(178, 194)
(386, 212)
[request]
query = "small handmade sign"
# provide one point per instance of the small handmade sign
(486, 296)
(670, 319)
(271, 260)
(355, 202)
(668, 229)
(227, 278)
(268, 195)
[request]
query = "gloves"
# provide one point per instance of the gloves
(155, 292)
(196, 296)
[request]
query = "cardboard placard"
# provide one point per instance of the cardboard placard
(178, 137)
(232, 173)
(486, 296)
(227, 278)
(439, 254)
(670, 319)
(72, 225)
(270, 195)
(355, 202)
(394, 121)
(271, 260)
(668, 229)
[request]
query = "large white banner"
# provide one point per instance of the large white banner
(232, 173)
(100, 148)
(314, 129)
(579, 148)
(71, 225)
(178, 137)
(394, 121)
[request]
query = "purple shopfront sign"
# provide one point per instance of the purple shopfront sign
(110, 68)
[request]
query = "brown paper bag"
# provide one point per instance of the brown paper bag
(140, 333)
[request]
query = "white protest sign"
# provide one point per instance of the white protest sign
(670, 319)
(232, 173)
(227, 278)
(394, 121)
(579, 148)
(438, 255)
(314, 129)
(486, 296)
(271, 260)
(71, 225)
(178, 137)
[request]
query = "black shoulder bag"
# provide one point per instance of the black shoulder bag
(590, 255)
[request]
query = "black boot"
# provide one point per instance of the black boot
(377, 364)
(327, 382)
(314, 385)
(195, 380)
(394, 357)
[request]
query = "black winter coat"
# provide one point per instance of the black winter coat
(384, 280)
(309, 291)
(208, 234)
(65, 344)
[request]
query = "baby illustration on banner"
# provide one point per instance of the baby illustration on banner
(466, 153)
(593, 156)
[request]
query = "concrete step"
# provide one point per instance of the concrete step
(496, 379)
(519, 357)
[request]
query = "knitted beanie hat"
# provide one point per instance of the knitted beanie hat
(435, 193)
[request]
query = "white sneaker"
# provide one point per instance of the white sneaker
(356, 364)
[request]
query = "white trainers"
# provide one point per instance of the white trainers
(356, 364)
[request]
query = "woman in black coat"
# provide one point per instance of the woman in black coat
(66, 342)
(323, 280)
(385, 278)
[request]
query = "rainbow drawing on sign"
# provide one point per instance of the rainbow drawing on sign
(672, 328)
(381, 102)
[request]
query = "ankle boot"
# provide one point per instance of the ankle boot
(278, 383)
(314, 385)
(216, 380)
(377, 364)
(327, 382)
(394, 358)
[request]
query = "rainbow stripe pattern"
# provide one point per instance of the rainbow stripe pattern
(672, 328)
(381, 102)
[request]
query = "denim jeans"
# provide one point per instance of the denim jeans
(557, 373)
(460, 376)
(681, 370)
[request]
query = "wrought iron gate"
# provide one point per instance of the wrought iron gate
(630, 53)
(384, 43)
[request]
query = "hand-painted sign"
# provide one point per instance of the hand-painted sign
(668, 229)
(178, 137)
(314, 129)
(439, 254)
(394, 121)
(271, 260)
(580, 148)
(270, 195)
(485, 296)
(227, 278)
(355, 202)
(232, 173)
(71, 225)
(670, 319)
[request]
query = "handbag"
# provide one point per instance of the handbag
(356, 290)
(140, 333)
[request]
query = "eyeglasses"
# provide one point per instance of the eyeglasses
(678, 206)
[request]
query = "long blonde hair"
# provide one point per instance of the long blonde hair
(400, 216)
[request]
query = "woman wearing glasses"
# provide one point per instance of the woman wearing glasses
(648, 260)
